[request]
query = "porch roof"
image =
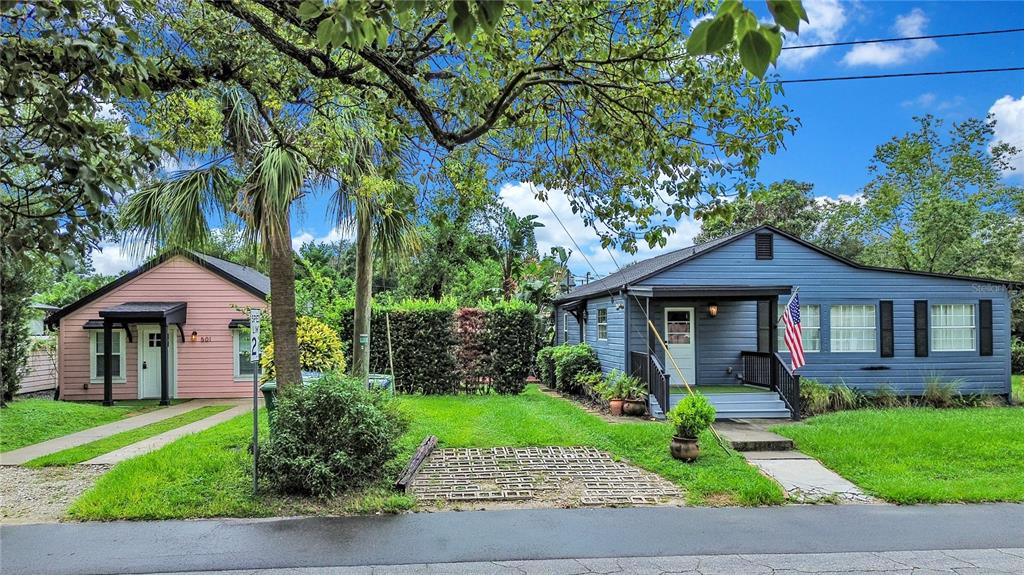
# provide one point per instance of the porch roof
(710, 292)
(163, 312)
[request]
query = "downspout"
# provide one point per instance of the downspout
(625, 330)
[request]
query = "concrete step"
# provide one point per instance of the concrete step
(752, 414)
(747, 437)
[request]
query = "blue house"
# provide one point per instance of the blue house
(708, 315)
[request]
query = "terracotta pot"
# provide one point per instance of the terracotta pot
(615, 405)
(684, 448)
(634, 407)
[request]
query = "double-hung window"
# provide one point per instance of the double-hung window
(810, 329)
(602, 323)
(117, 356)
(565, 327)
(854, 328)
(953, 327)
(243, 365)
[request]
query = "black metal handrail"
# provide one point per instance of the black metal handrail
(765, 369)
(650, 371)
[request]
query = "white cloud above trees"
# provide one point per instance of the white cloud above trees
(1008, 113)
(913, 23)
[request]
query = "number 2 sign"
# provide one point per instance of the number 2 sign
(254, 334)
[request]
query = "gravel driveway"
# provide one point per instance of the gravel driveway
(43, 495)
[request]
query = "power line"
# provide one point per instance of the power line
(905, 38)
(899, 75)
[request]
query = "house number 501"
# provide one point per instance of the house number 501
(206, 339)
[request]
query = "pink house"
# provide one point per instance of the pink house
(176, 327)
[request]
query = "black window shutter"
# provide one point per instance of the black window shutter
(985, 327)
(764, 248)
(921, 328)
(885, 310)
(763, 331)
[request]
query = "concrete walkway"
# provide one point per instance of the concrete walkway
(947, 562)
(30, 452)
(158, 441)
(804, 479)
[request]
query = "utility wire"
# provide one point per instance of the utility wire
(905, 38)
(898, 75)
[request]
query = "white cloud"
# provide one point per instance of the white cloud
(1009, 116)
(931, 102)
(336, 234)
(912, 23)
(521, 199)
(113, 259)
(827, 18)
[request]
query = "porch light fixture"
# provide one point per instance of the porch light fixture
(713, 309)
(195, 335)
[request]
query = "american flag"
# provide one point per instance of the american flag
(794, 341)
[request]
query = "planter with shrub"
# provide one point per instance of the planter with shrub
(626, 395)
(330, 436)
(691, 416)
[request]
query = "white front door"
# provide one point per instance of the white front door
(682, 345)
(149, 362)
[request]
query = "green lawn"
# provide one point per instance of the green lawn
(207, 474)
(107, 444)
(27, 421)
(536, 419)
(921, 455)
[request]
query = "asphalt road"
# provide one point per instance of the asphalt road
(212, 545)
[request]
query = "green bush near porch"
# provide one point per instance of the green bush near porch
(571, 363)
(921, 455)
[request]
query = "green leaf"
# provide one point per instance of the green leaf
(310, 9)
(489, 12)
(525, 5)
(720, 33)
(785, 14)
(462, 21)
(774, 38)
(323, 33)
(755, 52)
(697, 43)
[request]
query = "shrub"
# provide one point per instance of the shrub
(940, 393)
(692, 415)
(471, 348)
(546, 366)
(814, 396)
(1017, 355)
(842, 397)
(329, 436)
(511, 336)
(320, 349)
(571, 361)
(594, 385)
(885, 396)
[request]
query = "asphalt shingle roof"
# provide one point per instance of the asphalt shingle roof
(246, 275)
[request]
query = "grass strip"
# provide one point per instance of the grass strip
(29, 421)
(921, 455)
(99, 447)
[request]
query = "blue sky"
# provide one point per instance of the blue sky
(841, 122)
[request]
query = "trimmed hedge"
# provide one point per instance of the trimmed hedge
(571, 362)
(430, 341)
(546, 366)
(511, 335)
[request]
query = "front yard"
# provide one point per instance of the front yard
(207, 474)
(921, 455)
(27, 421)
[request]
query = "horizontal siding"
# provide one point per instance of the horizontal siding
(825, 281)
(40, 371)
(610, 352)
(574, 328)
(204, 368)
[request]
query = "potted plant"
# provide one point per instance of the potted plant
(691, 417)
(610, 390)
(634, 396)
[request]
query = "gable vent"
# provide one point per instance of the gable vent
(763, 247)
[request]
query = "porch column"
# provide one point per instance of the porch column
(773, 325)
(164, 388)
(108, 362)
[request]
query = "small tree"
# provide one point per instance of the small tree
(320, 349)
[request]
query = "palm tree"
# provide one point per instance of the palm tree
(382, 211)
(514, 243)
(255, 179)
